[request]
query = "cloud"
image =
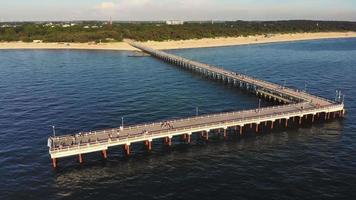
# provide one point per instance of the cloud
(178, 9)
(106, 6)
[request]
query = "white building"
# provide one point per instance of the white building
(174, 22)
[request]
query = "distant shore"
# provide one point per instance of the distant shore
(183, 44)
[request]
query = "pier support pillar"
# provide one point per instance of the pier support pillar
(272, 122)
(286, 123)
(300, 120)
(241, 129)
(80, 158)
(54, 162)
(127, 149)
(149, 145)
(326, 116)
(280, 121)
(188, 138)
(169, 139)
(184, 137)
(104, 153)
(251, 125)
(313, 118)
(224, 133)
(257, 127)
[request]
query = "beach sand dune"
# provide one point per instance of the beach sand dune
(182, 44)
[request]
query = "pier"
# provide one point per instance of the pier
(294, 106)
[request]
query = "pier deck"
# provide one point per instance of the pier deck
(299, 105)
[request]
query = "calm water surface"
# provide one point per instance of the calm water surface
(89, 90)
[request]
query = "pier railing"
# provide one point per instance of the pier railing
(186, 129)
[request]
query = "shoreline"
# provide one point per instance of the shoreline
(181, 44)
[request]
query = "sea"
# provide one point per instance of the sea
(82, 90)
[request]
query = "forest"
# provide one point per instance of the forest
(159, 31)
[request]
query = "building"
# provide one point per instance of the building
(174, 22)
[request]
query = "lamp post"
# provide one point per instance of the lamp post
(259, 105)
(54, 131)
(122, 122)
(305, 86)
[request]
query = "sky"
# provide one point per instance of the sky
(138, 10)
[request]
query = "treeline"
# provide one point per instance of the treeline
(99, 32)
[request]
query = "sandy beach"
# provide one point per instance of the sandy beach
(182, 44)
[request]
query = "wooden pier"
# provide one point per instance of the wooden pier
(296, 107)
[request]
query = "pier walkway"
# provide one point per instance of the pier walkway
(297, 106)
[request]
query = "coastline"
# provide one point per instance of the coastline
(183, 44)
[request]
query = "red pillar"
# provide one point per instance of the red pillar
(54, 162)
(184, 136)
(80, 158)
(105, 156)
(149, 145)
(127, 149)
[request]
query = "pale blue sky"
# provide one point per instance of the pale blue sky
(22, 10)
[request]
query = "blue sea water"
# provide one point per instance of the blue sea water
(90, 90)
